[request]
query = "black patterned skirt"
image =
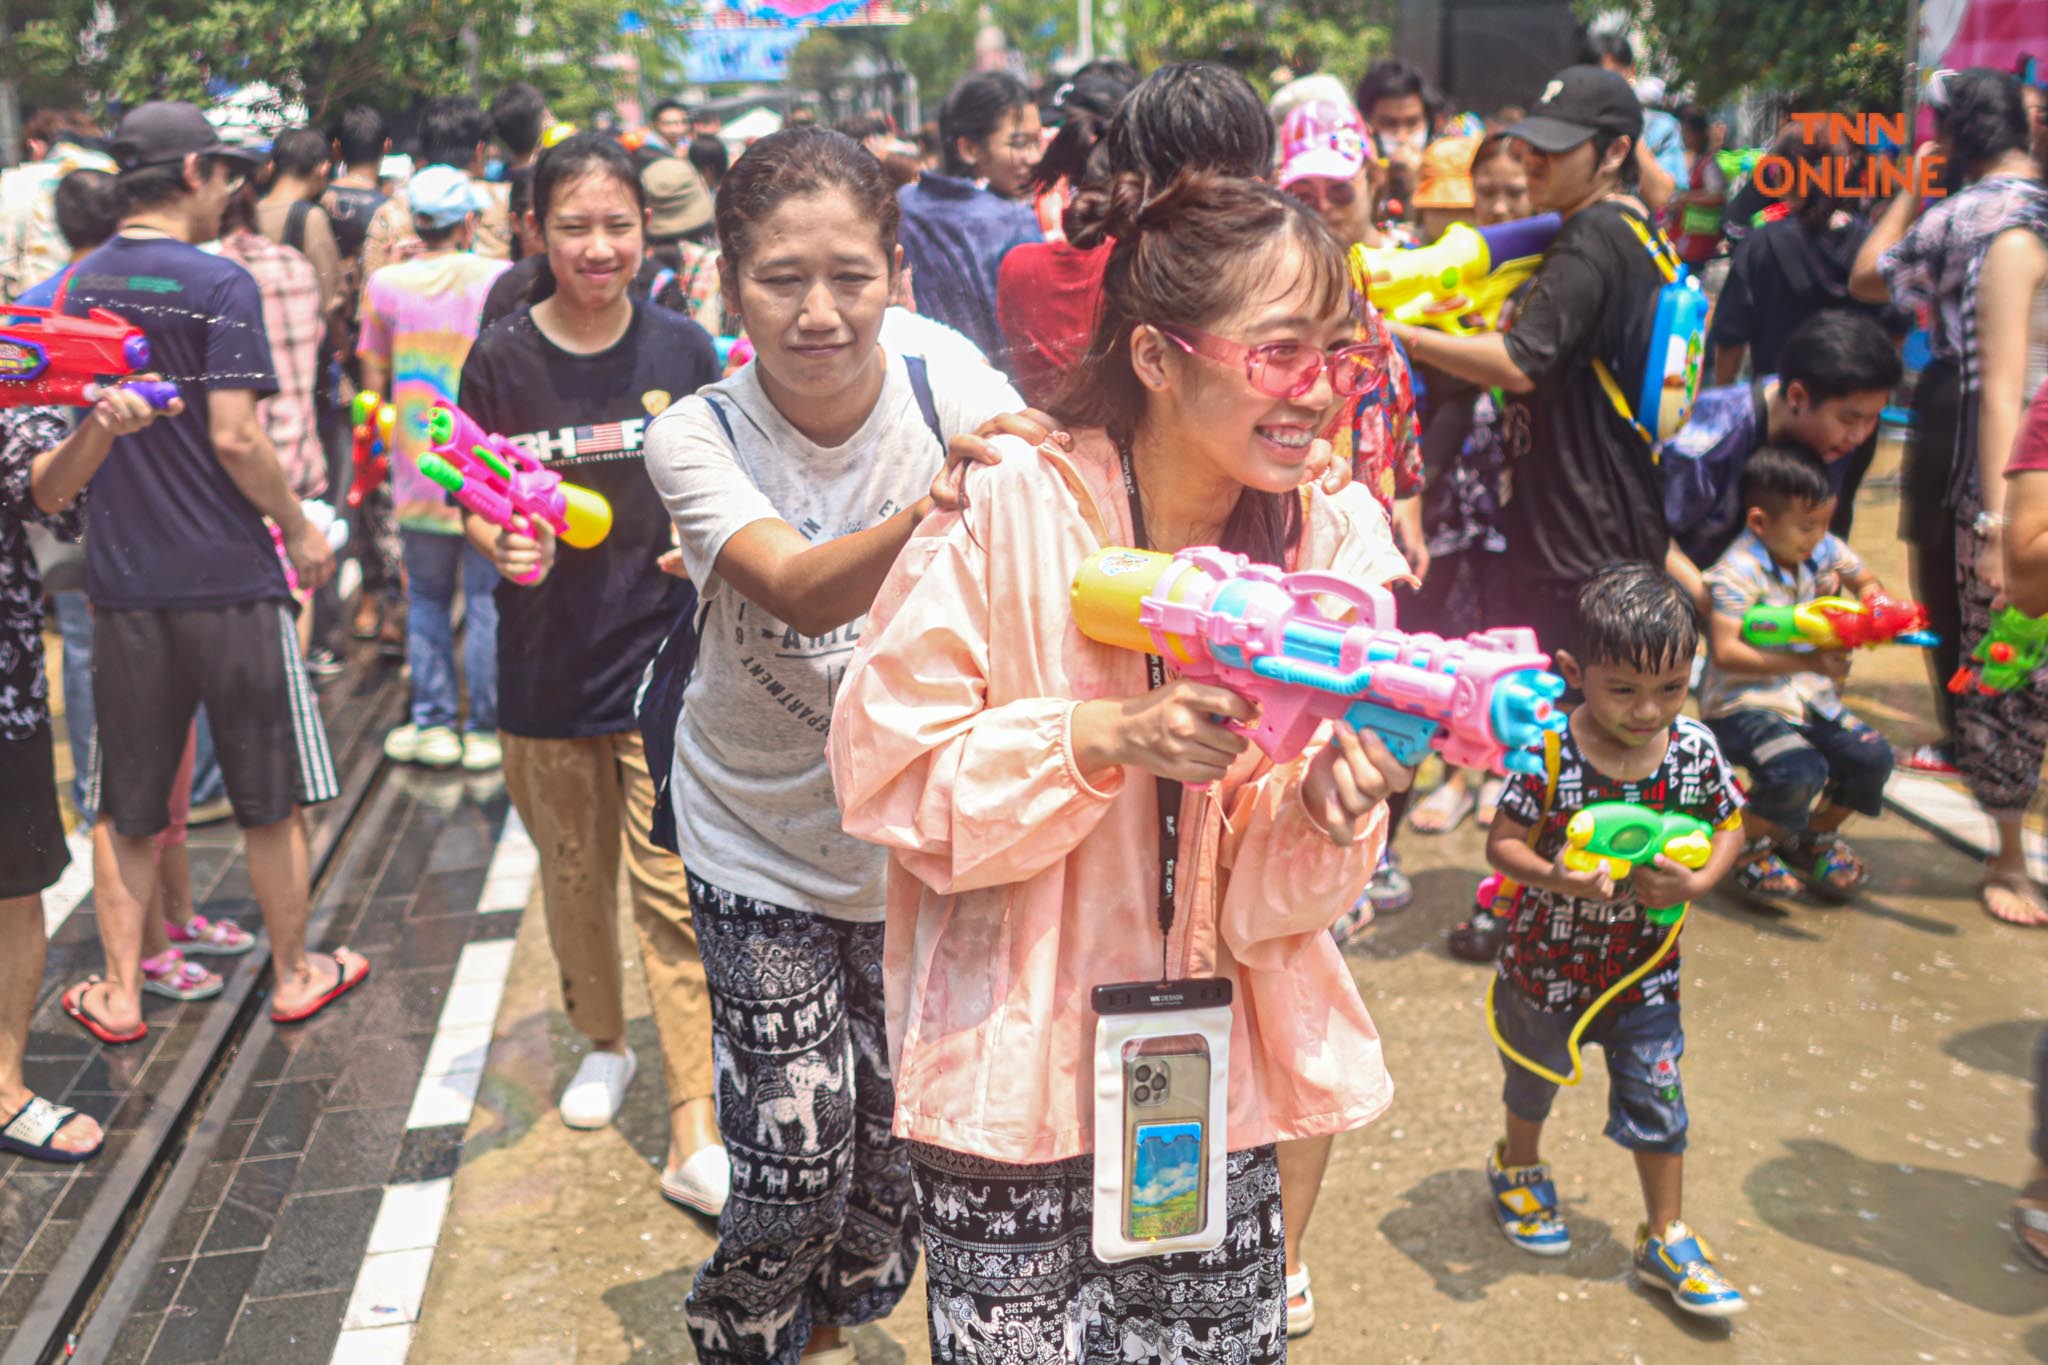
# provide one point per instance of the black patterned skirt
(1013, 1279)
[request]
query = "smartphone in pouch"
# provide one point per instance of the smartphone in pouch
(1166, 1156)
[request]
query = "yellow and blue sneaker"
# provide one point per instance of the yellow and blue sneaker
(1680, 1264)
(1525, 1202)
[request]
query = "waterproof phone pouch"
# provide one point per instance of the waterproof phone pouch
(1162, 1098)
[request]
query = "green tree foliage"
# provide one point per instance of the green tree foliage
(1257, 37)
(330, 53)
(1847, 54)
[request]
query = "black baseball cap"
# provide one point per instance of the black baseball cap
(163, 131)
(1578, 102)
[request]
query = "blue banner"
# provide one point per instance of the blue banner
(716, 55)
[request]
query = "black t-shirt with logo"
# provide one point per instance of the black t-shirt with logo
(571, 649)
(168, 526)
(1582, 492)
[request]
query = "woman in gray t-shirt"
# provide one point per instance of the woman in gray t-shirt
(793, 485)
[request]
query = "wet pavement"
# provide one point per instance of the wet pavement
(1857, 1077)
(394, 1182)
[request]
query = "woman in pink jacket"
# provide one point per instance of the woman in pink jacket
(1003, 759)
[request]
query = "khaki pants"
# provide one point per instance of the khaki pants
(587, 802)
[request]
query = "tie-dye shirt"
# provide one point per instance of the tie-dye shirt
(420, 318)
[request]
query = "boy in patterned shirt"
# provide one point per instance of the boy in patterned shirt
(1572, 935)
(1777, 712)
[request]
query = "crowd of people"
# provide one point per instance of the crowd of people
(896, 867)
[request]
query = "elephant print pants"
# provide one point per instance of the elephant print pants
(1011, 1274)
(819, 1231)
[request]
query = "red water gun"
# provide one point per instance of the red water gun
(371, 420)
(48, 357)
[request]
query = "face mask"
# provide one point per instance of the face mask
(494, 169)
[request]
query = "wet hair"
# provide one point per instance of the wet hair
(1391, 78)
(579, 155)
(451, 129)
(1609, 45)
(1187, 115)
(1187, 256)
(360, 135)
(1084, 107)
(1983, 116)
(974, 109)
(792, 164)
(298, 151)
(517, 113)
(88, 208)
(1836, 353)
(707, 153)
(1634, 615)
(1783, 475)
(663, 106)
(560, 166)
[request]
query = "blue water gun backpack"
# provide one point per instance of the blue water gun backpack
(1671, 372)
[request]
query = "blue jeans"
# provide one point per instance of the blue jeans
(1642, 1045)
(74, 623)
(1843, 761)
(431, 564)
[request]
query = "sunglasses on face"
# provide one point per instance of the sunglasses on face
(1318, 193)
(1288, 369)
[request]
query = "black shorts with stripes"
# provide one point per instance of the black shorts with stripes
(150, 671)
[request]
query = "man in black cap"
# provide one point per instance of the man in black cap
(1583, 492)
(189, 596)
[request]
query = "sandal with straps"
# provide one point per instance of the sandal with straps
(32, 1133)
(1826, 863)
(1761, 872)
(170, 975)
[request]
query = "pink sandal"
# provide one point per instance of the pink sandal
(212, 937)
(171, 976)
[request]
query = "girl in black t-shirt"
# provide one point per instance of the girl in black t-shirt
(575, 379)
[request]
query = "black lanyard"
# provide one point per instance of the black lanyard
(1169, 790)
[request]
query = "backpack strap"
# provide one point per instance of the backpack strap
(921, 389)
(295, 224)
(1665, 257)
(1553, 760)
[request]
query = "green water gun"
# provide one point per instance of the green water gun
(1621, 838)
(2007, 657)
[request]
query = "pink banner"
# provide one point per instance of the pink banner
(1996, 33)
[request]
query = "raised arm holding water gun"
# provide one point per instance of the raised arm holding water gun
(1779, 641)
(1585, 957)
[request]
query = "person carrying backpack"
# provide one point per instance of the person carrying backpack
(1582, 489)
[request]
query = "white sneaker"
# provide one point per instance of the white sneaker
(702, 1183)
(439, 747)
(481, 751)
(403, 744)
(598, 1089)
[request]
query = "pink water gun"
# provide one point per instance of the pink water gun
(508, 487)
(1482, 701)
